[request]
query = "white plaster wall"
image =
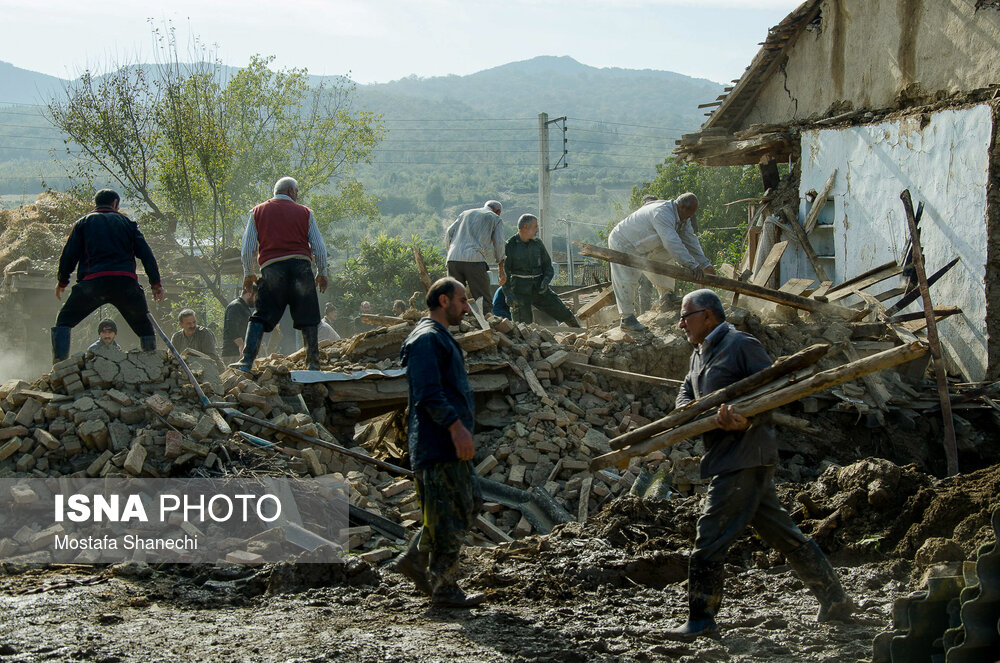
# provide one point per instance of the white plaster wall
(944, 165)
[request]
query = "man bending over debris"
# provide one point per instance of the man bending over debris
(740, 460)
(194, 336)
(102, 248)
(658, 230)
(440, 421)
(475, 239)
(529, 272)
(284, 236)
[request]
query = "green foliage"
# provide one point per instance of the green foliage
(199, 147)
(720, 228)
(382, 270)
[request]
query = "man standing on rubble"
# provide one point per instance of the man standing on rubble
(529, 273)
(440, 421)
(740, 460)
(234, 326)
(102, 248)
(658, 230)
(284, 237)
(474, 240)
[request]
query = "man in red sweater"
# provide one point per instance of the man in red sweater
(284, 238)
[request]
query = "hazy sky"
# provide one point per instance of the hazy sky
(383, 40)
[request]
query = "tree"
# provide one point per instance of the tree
(199, 147)
(383, 270)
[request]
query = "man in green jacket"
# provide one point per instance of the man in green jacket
(529, 272)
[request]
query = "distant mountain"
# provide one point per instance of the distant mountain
(20, 86)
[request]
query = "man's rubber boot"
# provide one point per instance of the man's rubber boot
(413, 564)
(60, 343)
(815, 571)
(311, 336)
(147, 343)
(251, 345)
(629, 322)
(705, 580)
(450, 595)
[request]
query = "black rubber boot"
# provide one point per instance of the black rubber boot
(60, 343)
(251, 345)
(311, 336)
(814, 570)
(147, 343)
(705, 580)
(413, 564)
(450, 595)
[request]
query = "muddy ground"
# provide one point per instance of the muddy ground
(603, 591)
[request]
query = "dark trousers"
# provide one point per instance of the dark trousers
(475, 275)
(735, 500)
(122, 292)
(526, 295)
(449, 504)
(289, 283)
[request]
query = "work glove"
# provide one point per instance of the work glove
(543, 286)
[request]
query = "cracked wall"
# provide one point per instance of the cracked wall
(944, 160)
(877, 53)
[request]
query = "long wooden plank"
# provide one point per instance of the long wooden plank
(802, 303)
(624, 375)
(767, 267)
(864, 280)
(682, 415)
(425, 278)
(909, 297)
(602, 299)
(766, 402)
(940, 313)
(950, 445)
(803, 240)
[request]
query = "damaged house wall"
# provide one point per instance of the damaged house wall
(880, 54)
(943, 158)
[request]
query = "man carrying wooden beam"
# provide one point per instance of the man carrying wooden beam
(740, 461)
(658, 230)
(439, 423)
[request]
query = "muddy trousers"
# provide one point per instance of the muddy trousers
(525, 295)
(734, 501)
(448, 502)
(122, 292)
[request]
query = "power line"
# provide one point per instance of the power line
(624, 124)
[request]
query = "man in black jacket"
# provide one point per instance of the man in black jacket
(102, 248)
(439, 425)
(740, 460)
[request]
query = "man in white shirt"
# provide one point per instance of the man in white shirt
(474, 240)
(660, 230)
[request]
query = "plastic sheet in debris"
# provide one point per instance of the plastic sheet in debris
(313, 377)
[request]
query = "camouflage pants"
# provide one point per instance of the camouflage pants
(449, 502)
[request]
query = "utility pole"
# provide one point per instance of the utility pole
(569, 251)
(544, 204)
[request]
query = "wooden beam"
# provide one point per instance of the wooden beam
(803, 303)
(909, 297)
(803, 240)
(767, 267)
(863, 280)
(602, 299)
(950, 445)
(769, 401)
(812, 218)
(382, 320)
(682, 415)
(624, 375)
(876, 387)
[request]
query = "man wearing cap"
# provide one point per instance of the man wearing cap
(102, 248)
(530, 272)
(658, 230)
(106, 332)
(474, 240)
(284, 238)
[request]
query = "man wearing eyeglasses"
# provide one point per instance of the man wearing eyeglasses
(658, 230)
(739, 458)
